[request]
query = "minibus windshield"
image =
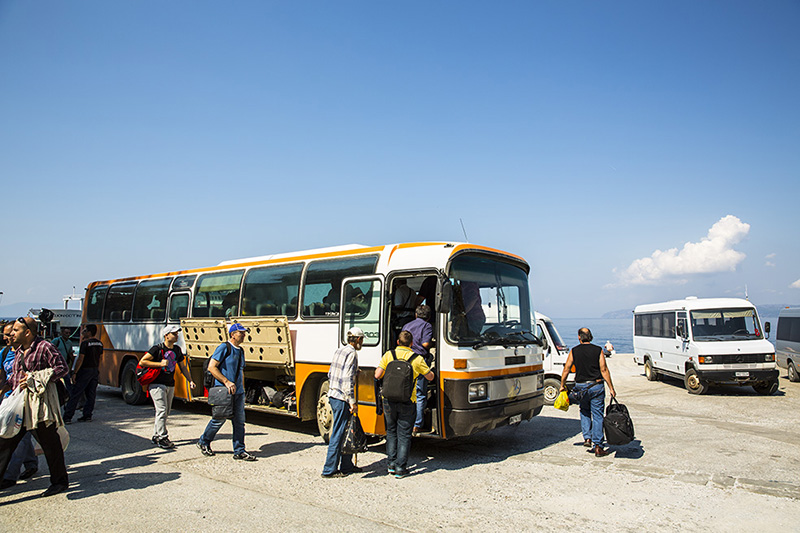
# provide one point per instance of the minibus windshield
(725, 324)
(491, 304)
(557, 340)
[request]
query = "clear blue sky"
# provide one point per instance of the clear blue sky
(140, 137)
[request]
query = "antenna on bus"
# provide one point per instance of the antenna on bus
(745, 293)
(464, 230)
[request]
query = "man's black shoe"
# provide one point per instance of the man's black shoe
(29, 472)
(335, 474)
(354, 470)
(54, 489)
(85, 419)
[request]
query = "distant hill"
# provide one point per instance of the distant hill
(770, 310)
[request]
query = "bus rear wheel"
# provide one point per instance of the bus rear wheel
(551, 389)
(132, 391)
(324, 412)
(649, 371)
(693, 383)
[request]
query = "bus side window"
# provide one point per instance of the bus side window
(271, 290)
(217, 295)
(179, 306)
(323, 283)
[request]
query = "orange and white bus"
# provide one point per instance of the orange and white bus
(488, 364)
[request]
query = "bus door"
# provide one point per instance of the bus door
(363, 302)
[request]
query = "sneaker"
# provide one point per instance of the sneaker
(205, 449)
(244, 456)
(400, 474)
(85, 419)
(335, 474)
(391, 470)
(165, 443)
(155, 440)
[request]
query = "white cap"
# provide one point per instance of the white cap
(355, 332)
(172, 328)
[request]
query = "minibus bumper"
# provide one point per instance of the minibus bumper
(738, 376)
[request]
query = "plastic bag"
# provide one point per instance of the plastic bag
(562, 401)
(355, 440)
(11, 412)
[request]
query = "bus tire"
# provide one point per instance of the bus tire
(132, 391)
(551, 388)
(650, 372)
(324, 412)
(693, 383)
(766, 388)
(791, 371)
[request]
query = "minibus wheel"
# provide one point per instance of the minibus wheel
(552, 387)
(324, 412)
(693, 383)
(649, 372)
(766, 388)
(791, 370)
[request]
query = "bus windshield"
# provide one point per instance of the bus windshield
(725, 324)
(491, 304)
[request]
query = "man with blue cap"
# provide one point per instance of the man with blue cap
(227, 367)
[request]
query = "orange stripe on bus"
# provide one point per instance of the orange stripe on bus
(491, 373)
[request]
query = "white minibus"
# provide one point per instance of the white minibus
(555, 355)
(704, 341)
(787, 342)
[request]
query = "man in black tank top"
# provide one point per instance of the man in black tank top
(590, 373)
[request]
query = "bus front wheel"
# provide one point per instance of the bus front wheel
(324, 412)
(132, 391)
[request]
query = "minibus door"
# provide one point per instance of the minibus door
(362, 305)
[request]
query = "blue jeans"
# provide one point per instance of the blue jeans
(591, 407)
(85, 382)
(238, 426)
(25, 455)
(422, 398)
(341, 415)
(399, 418)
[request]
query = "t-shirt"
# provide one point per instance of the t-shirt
(231, 366)
(422, 332)
(173, 356)
(8, 365)
(418, 365)
(91, 349)
(65, 349)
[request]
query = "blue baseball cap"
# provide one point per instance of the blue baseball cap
(236, 327)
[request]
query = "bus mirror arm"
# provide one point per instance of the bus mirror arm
(444, 296)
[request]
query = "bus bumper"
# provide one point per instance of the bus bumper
(738, 377)
(464, 418)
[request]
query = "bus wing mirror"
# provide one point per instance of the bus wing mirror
(444, 296)
(543, 340)
(681, 329)
(766, 328)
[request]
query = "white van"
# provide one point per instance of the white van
(704, 341)
(787, 342)
(555, 355)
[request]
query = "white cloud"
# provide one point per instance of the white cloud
(714, 253)
(795, 285)
(771, 256)
(769, 264)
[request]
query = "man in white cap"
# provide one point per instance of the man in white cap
(227, 367)
(342, 398)
(165, 356)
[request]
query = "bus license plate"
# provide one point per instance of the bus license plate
(516, 419)
(742, 374)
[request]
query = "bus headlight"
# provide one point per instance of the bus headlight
(769, 357)
(705, 359)
(478, 392)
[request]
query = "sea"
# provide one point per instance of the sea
(617, 330)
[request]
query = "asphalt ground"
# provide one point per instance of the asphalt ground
(725, 461)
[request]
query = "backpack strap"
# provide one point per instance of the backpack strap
(394, 355)
(413, 355)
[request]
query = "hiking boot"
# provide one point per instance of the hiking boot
(165, 443)
(205, 449)
(244, 456)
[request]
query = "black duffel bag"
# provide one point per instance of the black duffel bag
(618, 424)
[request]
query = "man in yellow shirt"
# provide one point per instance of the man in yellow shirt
(399, 400)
